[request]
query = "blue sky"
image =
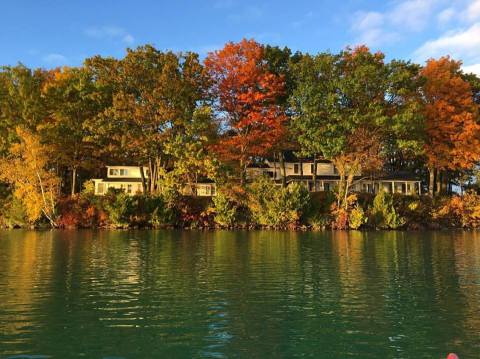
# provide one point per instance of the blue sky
(50, 33)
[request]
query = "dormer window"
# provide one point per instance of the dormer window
(118, 172)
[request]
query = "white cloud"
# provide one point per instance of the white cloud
(368, 20)
(55, 59)
(475, 68)
(446, 15)
(461, 44)
(375, 28)
(110, 32)
(472, 13)
(412, 14)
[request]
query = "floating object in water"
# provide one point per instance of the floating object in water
(452, 356)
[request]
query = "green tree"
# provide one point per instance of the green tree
(339, 111)
(154, 97)
(72, 100)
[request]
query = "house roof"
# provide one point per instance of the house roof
(125, 180)
(389, 177)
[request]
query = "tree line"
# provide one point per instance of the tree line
(187, 118)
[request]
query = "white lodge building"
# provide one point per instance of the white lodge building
(129, 179)
(328, 177)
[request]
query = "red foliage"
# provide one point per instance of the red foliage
(247, 94)
(75, 212)
(453, 140)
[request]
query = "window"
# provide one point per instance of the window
(326, 186)
(123, 172)
(129, 188)
(113, 172)
(296, 168)
(101, 188)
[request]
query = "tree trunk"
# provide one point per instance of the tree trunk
(438, 182)
(314, 177)
(242, 172)
(444, 184)
(348, 183)
(274, 166)
(144, 183)
(74, 179)
(284, 172)
(431, 181)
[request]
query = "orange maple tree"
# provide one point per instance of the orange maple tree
(246, 94)
(452, 126)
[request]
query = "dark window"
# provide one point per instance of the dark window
(312, 169)
(326, 186)
(296, 168)
(335, 171)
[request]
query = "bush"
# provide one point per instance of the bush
(318, 214)
(13, 213)
(275, 206)
(79, 211)
(459, 211)
(357, 217)
(194, 212)
(119, 207)
(383, 214)
(225, 209)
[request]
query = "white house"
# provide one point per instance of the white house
(129, 179)
(327, 176)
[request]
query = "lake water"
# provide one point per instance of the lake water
(174, 294)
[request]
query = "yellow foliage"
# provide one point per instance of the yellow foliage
(26, 168)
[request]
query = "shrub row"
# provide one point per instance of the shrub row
(259, 204)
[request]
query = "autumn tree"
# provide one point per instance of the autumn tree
(72, 100)
(26, 168)
(246, 96)
(21, 102)
(154, 96)
(340, 111)
(452, 126)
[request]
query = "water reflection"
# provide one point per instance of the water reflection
(145, 294)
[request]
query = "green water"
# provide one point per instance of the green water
(167, 294)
